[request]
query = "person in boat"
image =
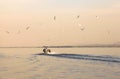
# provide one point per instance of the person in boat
(46, 50)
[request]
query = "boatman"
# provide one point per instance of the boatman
(46, 50)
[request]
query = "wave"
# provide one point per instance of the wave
(85, 57)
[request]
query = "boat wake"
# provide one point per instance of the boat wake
(85, 57)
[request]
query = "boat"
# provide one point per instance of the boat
(46, 51)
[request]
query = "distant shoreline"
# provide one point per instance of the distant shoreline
(68, 46)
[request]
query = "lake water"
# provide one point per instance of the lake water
(65, 63)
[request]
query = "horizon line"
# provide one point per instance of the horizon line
(65, 46)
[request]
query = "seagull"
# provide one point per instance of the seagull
(97, 17)
(54, 17)
(78, 16)
(82, 28)
(7, 32)
(27, 27)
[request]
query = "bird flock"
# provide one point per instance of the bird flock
(80, 25)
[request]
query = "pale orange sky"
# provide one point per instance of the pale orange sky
(100, 20)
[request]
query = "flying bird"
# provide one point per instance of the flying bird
(54, 17)
(27, 27)
(7, 32)
(78, 16)
(82, 28)
(97, 17)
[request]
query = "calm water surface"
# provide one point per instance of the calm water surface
(65, 63)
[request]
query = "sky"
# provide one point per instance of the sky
(76, 22)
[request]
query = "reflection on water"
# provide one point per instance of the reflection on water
(27, 64)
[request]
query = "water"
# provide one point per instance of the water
(65, 63)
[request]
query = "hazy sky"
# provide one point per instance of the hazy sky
(32, 23)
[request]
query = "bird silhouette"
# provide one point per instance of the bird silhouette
(78, 16)
(27, 27)
(97, 17)
(54, 17)
(82, 28)
(7, 32)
